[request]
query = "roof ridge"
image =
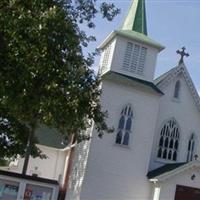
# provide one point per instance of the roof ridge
(162, 76)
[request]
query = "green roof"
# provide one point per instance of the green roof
(164, 169)
(132, 35)
(134, 27)
(50, 137)
(147, 84)
(140, 38)
(136, 18)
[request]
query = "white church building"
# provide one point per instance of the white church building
(153, 152)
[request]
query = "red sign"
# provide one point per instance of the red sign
(28, 193)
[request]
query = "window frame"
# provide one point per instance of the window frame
(193, 152)
(177, 91)
(137, 65)
(124, 130)
(163, 160)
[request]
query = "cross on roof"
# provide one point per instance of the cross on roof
(182, 53)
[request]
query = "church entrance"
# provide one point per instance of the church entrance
(187, 193)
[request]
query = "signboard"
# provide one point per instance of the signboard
(8, 190)
(14, 186)
(37, 192)
(28, 194)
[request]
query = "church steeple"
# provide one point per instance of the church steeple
(136, 18)
(129, 50)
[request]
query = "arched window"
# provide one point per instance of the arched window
(191, 146)
(177, 90)
(169, 141)
(124, 126)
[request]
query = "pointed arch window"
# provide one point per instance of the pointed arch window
(177, 89)
(191, 146)
(124, 126)
(168, 141)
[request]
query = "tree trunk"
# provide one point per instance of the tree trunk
(28, 149)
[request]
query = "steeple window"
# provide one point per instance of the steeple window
(191, 146)
(134, 58)
(169, 141)
(124, 126)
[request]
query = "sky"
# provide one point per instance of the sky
(173, 23)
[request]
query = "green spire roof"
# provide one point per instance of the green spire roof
(134, 27)
(136, 18)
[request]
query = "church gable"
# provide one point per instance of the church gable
(180, 103)
(174, 74)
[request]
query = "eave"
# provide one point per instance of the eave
(138, 37)
(181, 167)
(135, 82)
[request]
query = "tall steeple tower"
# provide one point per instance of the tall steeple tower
(128, 50)
(136, 18)
(117, 166)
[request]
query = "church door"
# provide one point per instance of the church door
(187, 193)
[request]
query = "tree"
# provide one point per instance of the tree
(44, 76)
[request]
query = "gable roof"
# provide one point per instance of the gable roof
(164, 169)
(162, 77)
(169, 170)
(147, 84)
(50, 137)
(167, 77)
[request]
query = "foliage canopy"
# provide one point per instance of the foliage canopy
(44, 76)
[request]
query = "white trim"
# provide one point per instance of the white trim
(132, 37)
(177, 70)
(156, 195)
